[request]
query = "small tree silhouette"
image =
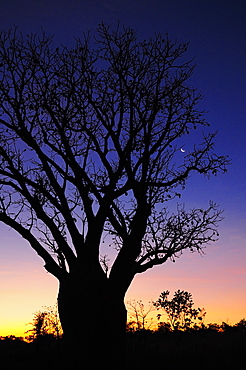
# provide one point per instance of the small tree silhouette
(39, 326)
(241, 325)
(54, 322)
(45, 323)
(179, 309)
(138, 315)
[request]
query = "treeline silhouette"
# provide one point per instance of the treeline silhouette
(178, 343)
(212, 346)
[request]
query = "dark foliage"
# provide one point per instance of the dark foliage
(180, 311)
(203, 349)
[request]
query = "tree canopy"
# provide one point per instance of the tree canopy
(180, 311)
(90, 145)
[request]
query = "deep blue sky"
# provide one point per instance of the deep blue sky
(216, 31)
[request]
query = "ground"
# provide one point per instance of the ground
(171, 351)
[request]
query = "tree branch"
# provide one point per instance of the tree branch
(50, 265)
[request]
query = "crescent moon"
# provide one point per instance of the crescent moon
(182, 150)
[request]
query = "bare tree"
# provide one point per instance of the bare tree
(89, 147)
(138, 315)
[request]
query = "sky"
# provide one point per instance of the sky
(216, 32)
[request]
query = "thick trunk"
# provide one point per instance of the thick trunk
(94, 324)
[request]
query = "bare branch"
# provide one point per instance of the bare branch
(89, 140)
(50, 264)
(168, 236)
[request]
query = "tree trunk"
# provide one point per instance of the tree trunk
(94, 324)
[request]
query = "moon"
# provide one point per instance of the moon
(182, 150)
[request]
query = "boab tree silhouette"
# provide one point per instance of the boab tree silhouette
(90, 146)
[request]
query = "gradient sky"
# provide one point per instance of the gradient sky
(216, 30)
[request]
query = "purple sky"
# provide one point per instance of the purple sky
(216, 30)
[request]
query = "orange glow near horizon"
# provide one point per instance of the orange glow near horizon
(25, 286)
(215, 280)
(217, 288)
